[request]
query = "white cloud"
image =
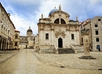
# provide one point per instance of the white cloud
(46, 6)
(80, 8)
(21, 23)
(94, 2)
(25, 2)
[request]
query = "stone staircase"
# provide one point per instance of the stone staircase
(65, 50)
(79, 49)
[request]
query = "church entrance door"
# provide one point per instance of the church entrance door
(60, 43)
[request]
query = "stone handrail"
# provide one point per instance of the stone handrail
(48, 49)
(54, 48)
(73, 48)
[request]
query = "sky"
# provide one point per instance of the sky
(25, 13)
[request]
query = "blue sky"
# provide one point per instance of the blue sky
(25, 13)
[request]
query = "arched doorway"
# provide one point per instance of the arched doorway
(60, 43)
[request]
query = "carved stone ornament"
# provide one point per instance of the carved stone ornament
(60, 32)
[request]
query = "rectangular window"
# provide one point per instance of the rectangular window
(16, 43)
(72, 36)
(2, 26)
(97, 39)
(46, 36)
(99, 19)
(82, 39)
(96, 32)
(81, 27)
(96, 25)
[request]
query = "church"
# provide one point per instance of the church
(28, 40)
(57, 31)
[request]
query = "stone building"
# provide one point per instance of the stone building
(96, 26)
(36, 43)
(57, 30)
(7, 29)
(23, 42)
(28, 40)
(93, 28)
(85, 28)
(16, 41)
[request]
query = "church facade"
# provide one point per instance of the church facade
(57, 30)
(28, 40)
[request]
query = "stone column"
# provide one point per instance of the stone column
(86, 47)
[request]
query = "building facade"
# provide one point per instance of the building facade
(16, 40)
(58, 30)
(92, 27)
(85, 28)
(23, 42)
(96, 26)
(7, 29)
(28, 40)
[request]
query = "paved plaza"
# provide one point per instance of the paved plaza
(7, 54)
(29, 62)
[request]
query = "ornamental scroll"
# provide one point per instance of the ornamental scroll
(60, 32)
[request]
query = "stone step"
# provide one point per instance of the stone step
(65, 50)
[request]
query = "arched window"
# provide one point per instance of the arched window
(62, 21)
(56, 21)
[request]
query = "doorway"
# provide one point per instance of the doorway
(98, 47)
(60, 43)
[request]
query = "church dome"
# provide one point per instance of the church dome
(52, 11)
(29, 30)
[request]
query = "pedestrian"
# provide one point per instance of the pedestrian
(98, 47)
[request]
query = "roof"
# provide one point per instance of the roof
(17, 31)
(52, 11)
(56, 10)
(29, 30)
(87, 21)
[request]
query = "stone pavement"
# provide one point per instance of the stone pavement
(71, 62)
(29, 62)
(5, 55)
(23, 63)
